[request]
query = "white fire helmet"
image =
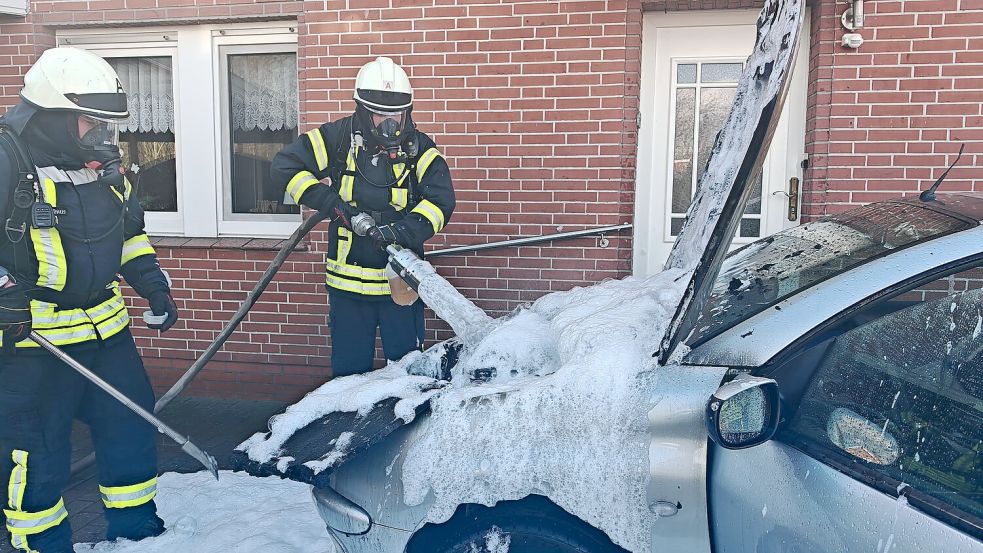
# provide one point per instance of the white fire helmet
(76, 80)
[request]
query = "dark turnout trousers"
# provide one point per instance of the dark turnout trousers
(354, 322)
(40, 396)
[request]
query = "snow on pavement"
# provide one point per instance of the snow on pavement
(237, 514)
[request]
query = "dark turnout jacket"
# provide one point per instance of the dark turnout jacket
(324, 162)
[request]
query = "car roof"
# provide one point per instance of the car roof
(964, 205)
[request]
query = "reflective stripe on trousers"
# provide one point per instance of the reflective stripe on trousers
(21, 523)
(120, 497)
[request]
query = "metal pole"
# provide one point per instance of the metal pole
(226, 332)
(239, 315)
(191, 449)
(529, 240)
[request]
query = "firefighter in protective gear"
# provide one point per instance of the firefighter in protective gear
(374, 162)
(68, 235)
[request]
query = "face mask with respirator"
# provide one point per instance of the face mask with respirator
(100, 145)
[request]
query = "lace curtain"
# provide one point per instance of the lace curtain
(149, 90)
(264, 91)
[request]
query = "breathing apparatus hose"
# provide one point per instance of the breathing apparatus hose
(231, 326)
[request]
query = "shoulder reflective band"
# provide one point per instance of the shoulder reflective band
(432, 213)
(24, 523)
(135, 247)
(300, 183)
(424, 163)
(121, 497)
(52, 266)
(320, 152)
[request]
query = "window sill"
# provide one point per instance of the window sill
(255, 244)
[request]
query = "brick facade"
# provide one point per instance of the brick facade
(534, 105)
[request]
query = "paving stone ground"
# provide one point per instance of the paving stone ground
(215, 425)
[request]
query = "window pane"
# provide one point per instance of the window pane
(686, 73)
(263, 119)
(147, 137)
(715, 104)
(682, 155)
(720, 72)
(750, 228)
(903, 396)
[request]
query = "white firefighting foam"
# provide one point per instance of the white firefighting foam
(575, 432)
(238, 513)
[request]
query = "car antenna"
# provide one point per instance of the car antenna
(929, 195)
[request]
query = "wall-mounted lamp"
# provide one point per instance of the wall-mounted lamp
(853, 20)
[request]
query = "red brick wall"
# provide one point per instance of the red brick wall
(887, 118)
(532, 103)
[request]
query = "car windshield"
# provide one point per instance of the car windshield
(763, 273)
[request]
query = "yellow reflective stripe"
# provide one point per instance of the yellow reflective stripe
(317, 144)
(24, 523)
(348, 181)
(400, 173)
(354, 271)
(135, 247)
(71, 326)
(352, 278)
(357, 287)
(344, 245)
(18, 480)
(127, 187)
(52, 266)
(20, 543)
(119, 497)
(300, 183)
(424, 163)
(433, 213)
(400, 197)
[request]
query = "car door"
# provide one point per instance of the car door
(881, 448)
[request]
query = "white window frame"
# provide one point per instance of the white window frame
(201, 129)
(225, 45)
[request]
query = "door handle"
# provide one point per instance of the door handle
(793, 198)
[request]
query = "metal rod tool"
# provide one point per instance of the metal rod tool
(191, 449)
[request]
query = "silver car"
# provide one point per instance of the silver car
(838, 367)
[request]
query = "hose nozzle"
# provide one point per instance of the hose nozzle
(361, 223)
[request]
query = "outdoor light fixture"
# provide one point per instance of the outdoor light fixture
(853, 20)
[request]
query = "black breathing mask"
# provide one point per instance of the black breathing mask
(392, 134)
(99, 147)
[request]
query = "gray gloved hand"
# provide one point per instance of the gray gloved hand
(162, 303)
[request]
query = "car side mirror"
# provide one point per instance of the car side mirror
(743, 412)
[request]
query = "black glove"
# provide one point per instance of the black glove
(15, 310)
(162, 303)
(343, 213)
(393, 233)
(328, 201)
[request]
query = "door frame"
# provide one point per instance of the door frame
(650, 200)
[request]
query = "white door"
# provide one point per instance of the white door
(690, 66)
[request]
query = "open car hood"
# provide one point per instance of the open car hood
(325, 439)
(734, 163)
